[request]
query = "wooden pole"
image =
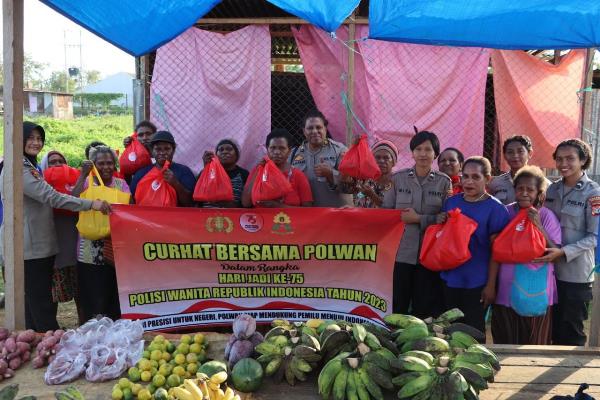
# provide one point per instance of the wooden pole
(12, 189)
(351, 45)
(594, 339)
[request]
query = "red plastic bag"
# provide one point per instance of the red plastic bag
(213, 183)
(446, 246)
(359, 162)
(62, 178)
(270, 183)
(519, 242)
(152, 190)
(134, 157)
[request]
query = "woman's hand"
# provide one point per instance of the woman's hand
(488, 295)
(410, 216)
(86, 167)
(550, 255)
(441, 218)
(207, 157)
(324, 170)
(534, 217)
(102, 206)
(170, 177)
(127, 141)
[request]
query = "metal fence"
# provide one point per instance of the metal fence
(290, 96)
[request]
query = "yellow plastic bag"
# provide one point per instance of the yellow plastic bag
(94, 225)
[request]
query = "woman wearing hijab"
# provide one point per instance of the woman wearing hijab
(40, 245)
(64, 280)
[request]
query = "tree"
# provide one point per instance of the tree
(57, 82)
(97, 99)
(91, 77)
(33, 72)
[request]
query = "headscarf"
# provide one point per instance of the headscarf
(44, 163)
(28, 128)
(388, 146)
(233, 144)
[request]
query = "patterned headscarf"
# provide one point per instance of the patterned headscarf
(388, 146)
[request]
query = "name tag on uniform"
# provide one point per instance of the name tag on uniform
(576, 203)
(432, 193)
(403, 190)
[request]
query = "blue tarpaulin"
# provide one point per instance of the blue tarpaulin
(326, 14)
(500, 24)
(135, 26)
(140, 26)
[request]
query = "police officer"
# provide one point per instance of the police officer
(318, 157)
(40, 245)
(517, 150)
(575, 199)
(420, 193)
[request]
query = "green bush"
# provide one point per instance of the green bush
(71, 136)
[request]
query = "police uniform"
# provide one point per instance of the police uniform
(324, 194)
(40, 244)
(578, 210)
(412, 282)
(502, 188)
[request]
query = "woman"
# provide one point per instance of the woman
(472, 286)
(95, 274)
(508, 327)
(278, 150)
(517, 151)
(575, 199)
(228, 152)
(369, 193)
(40, 246)
(450, 162)
(319, 157)
(64, 280)
(419, 193)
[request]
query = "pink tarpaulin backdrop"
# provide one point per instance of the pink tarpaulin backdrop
(538, 99)
(209, 86)
(398, 86)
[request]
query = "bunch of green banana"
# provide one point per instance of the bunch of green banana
(338, 337)
(289, 351)
(357, 378)
(70, 393)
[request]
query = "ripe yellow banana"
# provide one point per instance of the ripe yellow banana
(182, 394)
(204, 389)
(229, 394)
(219, 377)
(191, 387)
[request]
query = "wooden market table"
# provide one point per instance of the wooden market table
(528, 373)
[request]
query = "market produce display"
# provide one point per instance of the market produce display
(16, 348)
(100, 349)
(46, 348)
(165, 365)
(290, 350)
(243, 340)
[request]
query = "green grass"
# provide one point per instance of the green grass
(71, 136)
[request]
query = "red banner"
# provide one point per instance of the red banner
(182, 267)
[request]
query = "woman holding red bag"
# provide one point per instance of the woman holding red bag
(64, 279)
(472, 285)
(369, 193)
(278, 151)
(419, 192)
(509, 324)
(228, 153)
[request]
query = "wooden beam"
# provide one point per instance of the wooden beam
(12, 189)
(272, 21)
(586, 126)
(350, 80)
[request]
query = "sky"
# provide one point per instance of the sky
(44, 41)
